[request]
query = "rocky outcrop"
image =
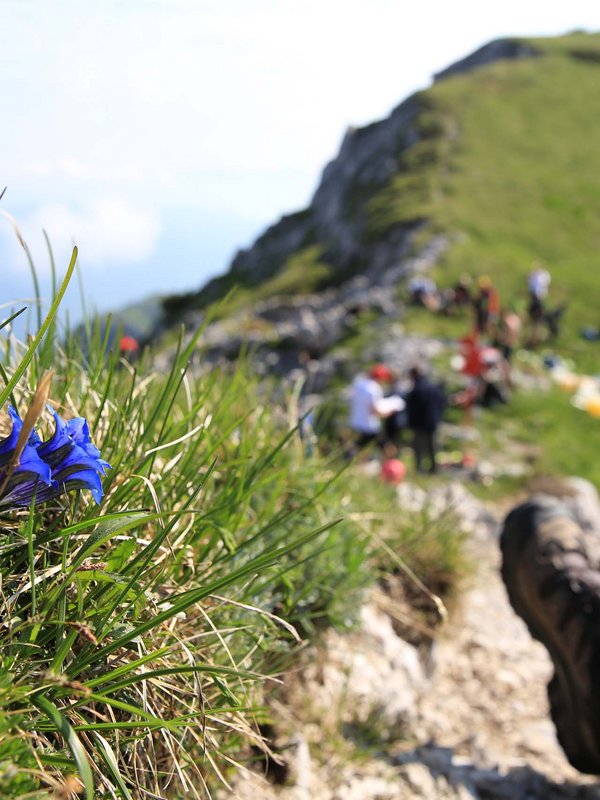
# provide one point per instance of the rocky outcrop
(337, 216)
(368, 158)
(272, 249)
(497, 50)
(288, 336)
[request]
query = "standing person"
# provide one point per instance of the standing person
(486, 304)
(538, 282)
(508, 334)
(396, 424)
(425, 404)
(368, 405)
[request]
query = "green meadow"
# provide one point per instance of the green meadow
(507, 168)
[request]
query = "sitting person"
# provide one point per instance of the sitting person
(423, 292)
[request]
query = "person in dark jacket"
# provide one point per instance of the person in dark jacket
(425, 404)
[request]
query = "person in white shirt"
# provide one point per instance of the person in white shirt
(538, 283)
(368, 404)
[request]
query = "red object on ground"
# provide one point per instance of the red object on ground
(393, 470)
(469, 460)
(128, 344)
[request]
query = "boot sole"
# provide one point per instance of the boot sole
(542, 549)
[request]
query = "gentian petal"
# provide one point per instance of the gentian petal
(74, 458)
(30, 461)
(79, 431)
(83, 479)
(22, 487)
(59, 445)
(31, 475)
(7, 445)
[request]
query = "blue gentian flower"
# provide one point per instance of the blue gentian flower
(79, 431)
(68, 460)
(31, 475)
(74, 459)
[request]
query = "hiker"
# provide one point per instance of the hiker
(395, 425)
(423, 292)
(538, 282)
(493, 378)
(470, 365)
(368, 406)
(508, 333)
(486, 304)
(552, 576)
(470, 350)
(462, 291)
(458, 296)
(425, 404)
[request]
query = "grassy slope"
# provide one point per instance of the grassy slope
(519, 179)
(567, 437)
(506, 163)
(514, 179)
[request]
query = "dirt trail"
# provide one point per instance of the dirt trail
(474, 720)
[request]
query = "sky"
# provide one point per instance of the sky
(161, 136)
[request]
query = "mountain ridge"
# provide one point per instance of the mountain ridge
(497, 158)
(367, 159)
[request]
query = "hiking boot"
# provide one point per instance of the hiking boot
(552, 584)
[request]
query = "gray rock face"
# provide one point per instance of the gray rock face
(336, 217)
(493, 51)
(270, 251)
(282, 331)
(368, 158)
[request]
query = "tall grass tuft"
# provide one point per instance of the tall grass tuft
(139, 637)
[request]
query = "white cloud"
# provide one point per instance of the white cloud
(109, 230)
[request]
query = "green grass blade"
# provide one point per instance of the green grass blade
(110, 759)
(52, 264)
(13, 316)
(30, 352)
(63, 727)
